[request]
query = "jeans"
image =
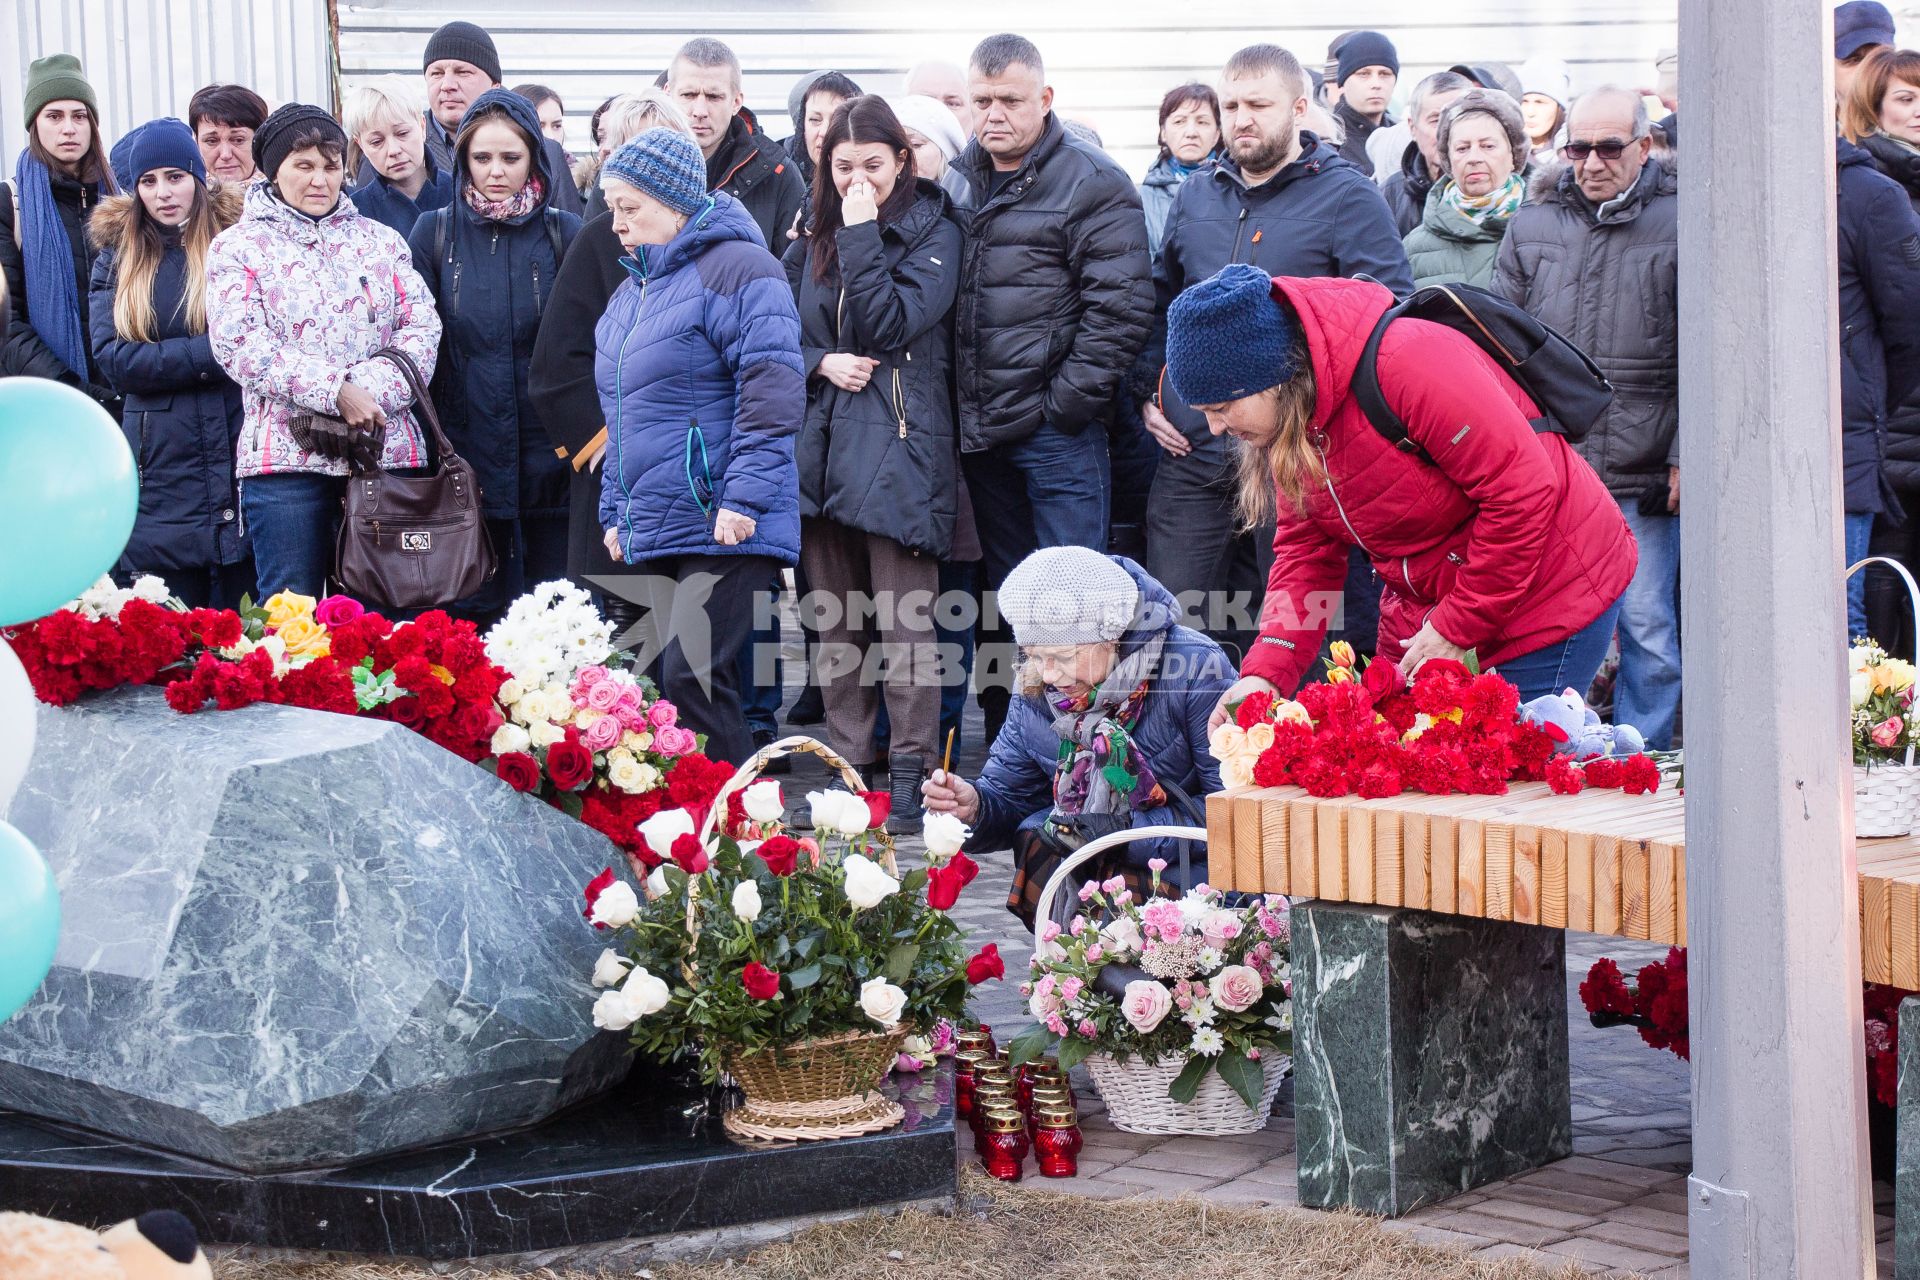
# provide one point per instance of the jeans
(1648, 693)
(1194, 548)
(700, 610)
(292, 518)
(1565, 664)
(1859, 534)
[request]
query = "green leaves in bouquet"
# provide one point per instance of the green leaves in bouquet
(1243, 1076)
(899, 965)
(253, 618)
(1030, 1045)
(1187, 1083)
(370, 690)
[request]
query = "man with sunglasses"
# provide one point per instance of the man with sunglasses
(1596, 256)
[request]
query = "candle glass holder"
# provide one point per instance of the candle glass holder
(1057, 1142)
(1005, 1146)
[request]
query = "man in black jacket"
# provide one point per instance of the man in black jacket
(1056, 298)
(1368, 67)
(704, 82)
(1284, 200)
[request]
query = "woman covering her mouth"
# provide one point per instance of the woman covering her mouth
(1496, 539)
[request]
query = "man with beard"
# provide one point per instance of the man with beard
(1285, 201)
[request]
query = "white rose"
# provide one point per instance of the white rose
(1122, 938)
(151, 589)
(544, 733)
(762, 802)
(610, 968)
(616, 906)
(917, 1047)
(645, 993)
(1859, 687)
(657, 882)
(613, 1011)
(647, 779)
(510, 692)
(867, 884)
(625, 772)
(746, 901)
(509, 737)
(944, 834)
(532, 708)
(663, 828)
(840, 811)
(882, 1001)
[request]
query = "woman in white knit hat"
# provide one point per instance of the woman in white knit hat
(931, 129)
(1109, 730)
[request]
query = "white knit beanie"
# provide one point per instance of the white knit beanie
(932, 120)
(1066, 596)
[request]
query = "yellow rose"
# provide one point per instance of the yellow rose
(284, 606)
(1342, 653)
(1259, 738)
(304, 638)
(1340, 675)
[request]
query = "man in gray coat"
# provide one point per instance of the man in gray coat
(1595, 256)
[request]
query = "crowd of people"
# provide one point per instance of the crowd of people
(933, 333)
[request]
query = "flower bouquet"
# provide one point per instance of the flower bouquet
(1886, 783)
(798, 967)
(1179, 1007)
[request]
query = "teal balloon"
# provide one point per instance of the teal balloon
(29, 920)
(68, 495)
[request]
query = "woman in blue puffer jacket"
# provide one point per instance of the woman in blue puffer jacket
(698, 366)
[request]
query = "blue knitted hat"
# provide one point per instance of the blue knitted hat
(666, 164)
(1228, 338)
(165, 143)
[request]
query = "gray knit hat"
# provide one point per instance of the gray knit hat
(1068, 595)
(666, 164)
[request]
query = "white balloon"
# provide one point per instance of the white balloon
(18, 712)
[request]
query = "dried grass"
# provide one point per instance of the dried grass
(1019, 1233)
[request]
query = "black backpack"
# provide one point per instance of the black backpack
(1556, 375)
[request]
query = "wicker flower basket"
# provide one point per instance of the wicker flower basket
(1135, 1092)
(1884, 799)
(824, 1088)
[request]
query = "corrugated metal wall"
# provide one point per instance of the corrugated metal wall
(1108, 61)
(146, 57)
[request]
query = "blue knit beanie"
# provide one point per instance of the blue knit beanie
(1228, 338)
(667, 165)
(1365, 49)
(165, 143)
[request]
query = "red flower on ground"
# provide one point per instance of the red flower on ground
(985, 965)
(761, 982)
(1382, 679)
(780, 853)
(569, 764)
(519, 770)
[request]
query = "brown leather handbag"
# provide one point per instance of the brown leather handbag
(414, 541)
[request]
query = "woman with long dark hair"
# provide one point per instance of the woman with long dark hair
(149, 335)
(1189, 137)
(879, 463)
(57, 183)
(491, 258)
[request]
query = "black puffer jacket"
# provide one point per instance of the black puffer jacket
(1902, 164)
(1406, 191)
(1878, 237)
(758, 172)
(1610, 283)
(1357, 129)
(1056, 298)
(25, 352)
(884, 459)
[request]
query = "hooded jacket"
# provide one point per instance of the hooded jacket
(391, 207)
(1318, 216)
(1056, 297)
(1157, 190)
(1448, 247)
(1406, 191)
(182, 413)
(24, 351)
(698, 366)
(1016, 785)
(296, 306)
(1610, 283)
(1507, 542)
(1901, 164)
(562, 192)
(885, 459)
(758, 172)
(1879, 256)
(491, 281)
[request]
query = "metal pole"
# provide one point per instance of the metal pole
(1780, 1181)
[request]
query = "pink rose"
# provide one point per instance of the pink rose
(587, 677)
(907, 1062)
(1220, 927)
(672, 740)
(603, 734)
(662, 715)
(1071, 988)
(631, 720)
(1145, 1005)
(336, 611)
(1056, 1024)
(1887, 732)
(1087, 1029)
(631, 699)
(604, 696)
(1236, 988)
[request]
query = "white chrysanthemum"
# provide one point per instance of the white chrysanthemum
(1207, 1042)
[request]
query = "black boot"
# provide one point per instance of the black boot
(809, 708)
(904, 780)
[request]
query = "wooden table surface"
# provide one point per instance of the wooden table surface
(1600, 862)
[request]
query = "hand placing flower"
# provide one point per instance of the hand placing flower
(943, 833)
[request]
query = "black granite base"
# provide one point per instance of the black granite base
(1906, 1174)
(649, 1159)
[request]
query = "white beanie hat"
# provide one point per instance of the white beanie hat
(930, 118)
(1548, 77)
(1068, 595)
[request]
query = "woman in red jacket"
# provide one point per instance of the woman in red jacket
(1506, 544)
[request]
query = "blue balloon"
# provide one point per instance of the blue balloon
(29, 920)
(68, 495)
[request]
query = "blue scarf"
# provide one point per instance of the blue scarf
(53, 296)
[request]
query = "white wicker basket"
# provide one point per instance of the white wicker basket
(1136, 1096)
(1884, 799)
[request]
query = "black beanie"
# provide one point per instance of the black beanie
(464, 42)
(273, 140)
(1366, 49)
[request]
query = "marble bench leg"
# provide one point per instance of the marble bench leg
(1430, 1054)
(1906, 1159)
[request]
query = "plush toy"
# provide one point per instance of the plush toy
(1577, 729)
(154, 1246)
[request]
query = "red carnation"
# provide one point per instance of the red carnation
(1639, 775)
(1603, 773)
(689, 854)
(1379, 780)
(595, 887)
(1564, 777)
(569, 764)
(879, 805)
(780, 853)
(761, 982)
(519, 770)
(1605, 991)
(1254, 708)
(986, 964)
